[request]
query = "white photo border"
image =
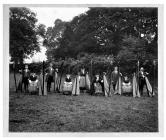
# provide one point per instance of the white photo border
(89, 134)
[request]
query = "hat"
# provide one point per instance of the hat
(126, 77)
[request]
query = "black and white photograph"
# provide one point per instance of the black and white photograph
(83, 68)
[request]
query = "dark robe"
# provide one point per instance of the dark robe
(142, 81)
(50, 77)
(99, 81)
(26, 74)
(50, 71)
(126, 81)
(67, 79)
(33, 78)
(82, 74)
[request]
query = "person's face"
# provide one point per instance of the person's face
(83, 70)
(68, 76)
(50, 65)
(33, 74)
(116, 68)
(141, 69)
(126, 78)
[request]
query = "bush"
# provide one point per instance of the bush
(100, 64)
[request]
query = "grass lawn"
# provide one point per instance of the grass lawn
(84, 113)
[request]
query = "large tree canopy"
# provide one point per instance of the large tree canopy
(24, 33)
(52, 38)
(109, 31)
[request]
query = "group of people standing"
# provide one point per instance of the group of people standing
(141, 75)
(28, 77)
(96, 86)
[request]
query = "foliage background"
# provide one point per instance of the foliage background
(103, 37)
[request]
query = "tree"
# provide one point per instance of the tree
(110, 31)
(24, 33)
(52, 38)
(41, 30)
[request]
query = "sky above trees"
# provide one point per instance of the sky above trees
(47, 16)
(108, 31)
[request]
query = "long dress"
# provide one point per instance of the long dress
(33, 84)
(97, 86)
(127, 86)
(67, 85)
